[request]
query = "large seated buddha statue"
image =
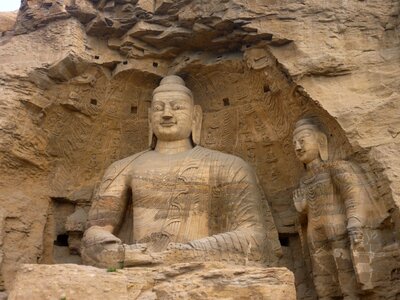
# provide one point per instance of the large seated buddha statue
(186, 202)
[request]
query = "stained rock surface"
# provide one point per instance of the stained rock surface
(179, 281)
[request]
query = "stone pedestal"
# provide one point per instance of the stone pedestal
(212, 280)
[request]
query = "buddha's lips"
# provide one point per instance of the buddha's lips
(167, 124)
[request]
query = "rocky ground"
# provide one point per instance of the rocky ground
(179, 281)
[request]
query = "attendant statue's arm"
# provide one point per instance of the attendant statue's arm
(351, 187)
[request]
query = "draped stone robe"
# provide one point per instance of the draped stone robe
(205, 198)
(336, 192)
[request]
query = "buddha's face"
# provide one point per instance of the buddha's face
(171, 115)
(306, 145)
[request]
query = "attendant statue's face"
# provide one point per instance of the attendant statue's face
(171, 115)
(307, 145)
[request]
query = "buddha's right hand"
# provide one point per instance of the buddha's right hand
(100, 248)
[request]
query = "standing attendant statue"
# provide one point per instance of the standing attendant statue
(340, 209)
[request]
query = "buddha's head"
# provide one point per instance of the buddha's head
(310, 142)
(173, 115)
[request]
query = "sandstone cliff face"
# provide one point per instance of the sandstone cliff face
(76, 80)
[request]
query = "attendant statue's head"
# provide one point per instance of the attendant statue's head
(310, 142)
(173, 115)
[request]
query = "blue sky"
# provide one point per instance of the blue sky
(9, 5)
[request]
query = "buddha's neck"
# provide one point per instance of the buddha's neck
(314, 164)
(173, 147)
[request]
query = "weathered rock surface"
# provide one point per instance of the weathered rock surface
(7, 21)
(179, 281)
(76, 80)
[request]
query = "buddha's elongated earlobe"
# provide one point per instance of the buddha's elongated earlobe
(196, 124)
(152, 137)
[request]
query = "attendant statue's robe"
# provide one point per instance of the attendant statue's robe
(335, 193)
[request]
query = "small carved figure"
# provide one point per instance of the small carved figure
(339, 206)
(187, 202)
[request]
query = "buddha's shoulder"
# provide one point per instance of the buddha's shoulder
(125, 164)
(228, 168)
(221, 157)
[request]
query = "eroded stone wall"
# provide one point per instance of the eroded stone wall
(76, 81)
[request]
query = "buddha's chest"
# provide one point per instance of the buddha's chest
(158, 183)
(170, 196)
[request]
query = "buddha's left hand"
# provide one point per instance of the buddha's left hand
(101, 248)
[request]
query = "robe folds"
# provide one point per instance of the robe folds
(203, 198)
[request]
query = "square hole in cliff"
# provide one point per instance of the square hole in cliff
(62, 240)
(226, 101)
(284, 240)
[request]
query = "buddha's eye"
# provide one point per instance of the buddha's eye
(157, 107)
(176, 107)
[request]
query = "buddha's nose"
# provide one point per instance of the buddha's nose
(167, 113)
